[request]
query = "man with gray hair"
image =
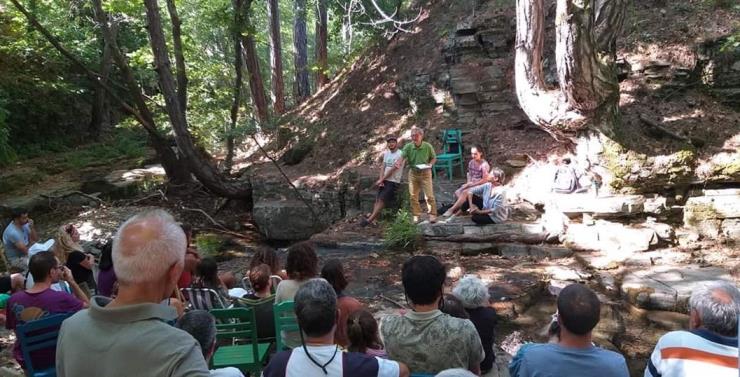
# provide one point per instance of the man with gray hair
(130, 335)
(202, 326)
(318, 356)
(420, 157)
(473, 294)
(709, 347)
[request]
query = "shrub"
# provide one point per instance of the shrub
(402, 232)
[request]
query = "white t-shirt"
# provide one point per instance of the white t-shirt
(389, 160)
(299, 365)
(226, 372)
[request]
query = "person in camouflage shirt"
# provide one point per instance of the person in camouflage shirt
(425, 339)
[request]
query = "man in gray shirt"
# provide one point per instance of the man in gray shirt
(131, 335)
(18, 236)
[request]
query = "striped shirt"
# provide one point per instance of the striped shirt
(694, 353)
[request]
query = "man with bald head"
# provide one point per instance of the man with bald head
(130, 335)
(709, 347)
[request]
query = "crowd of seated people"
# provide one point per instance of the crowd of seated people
(134, 327)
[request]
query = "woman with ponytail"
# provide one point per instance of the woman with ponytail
(362, 331)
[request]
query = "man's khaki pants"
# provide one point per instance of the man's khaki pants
(421, 180)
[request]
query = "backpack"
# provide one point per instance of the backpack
(565, 181)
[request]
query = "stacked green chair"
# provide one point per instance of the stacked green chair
(238, 325)
(452, 153)
(285, 320)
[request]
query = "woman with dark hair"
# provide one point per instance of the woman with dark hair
(207, 277)
(106, 274)
(302, 266)
(267, 255)
(333, 272)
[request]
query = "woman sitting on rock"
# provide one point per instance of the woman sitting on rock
(487, 202)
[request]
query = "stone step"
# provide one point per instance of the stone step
(607, 206)
(610, 236)
(462, 230)
(668, 287)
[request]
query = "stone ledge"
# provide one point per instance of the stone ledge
(608, 206)
(459, 231)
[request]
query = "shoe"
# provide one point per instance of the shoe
(448, 219)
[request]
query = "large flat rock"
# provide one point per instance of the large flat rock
(462, 230)
(725, 206)
(610, 236)
(608, 206)
(285, 220)
(668, 287)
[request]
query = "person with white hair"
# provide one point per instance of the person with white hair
(709, 347)
(202, 326)
(473, 294)
(130, 335)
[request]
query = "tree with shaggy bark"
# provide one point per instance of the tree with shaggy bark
(321, 44)
(302, 86)
(588, 95)
(277, 92)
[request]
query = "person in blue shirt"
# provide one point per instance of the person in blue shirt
(574, 354)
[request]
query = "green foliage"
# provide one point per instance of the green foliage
(209, 244)
(402, 232)
(7, 153)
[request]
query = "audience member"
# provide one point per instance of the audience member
(363, 335)
(316, 312)
(261, 300)
(420, 337)
(574, 355)
(709, 347)
(18, 237)
(129, 335)
(202, 326)
(41, 301)
(268, 256)
(389, 181)
(478, 169)
(473, 294)
(206, 276)
(106, 273)
(191, 259)
(457, 372)
(333, 272)
(453, 306)
(420, 157)
(302, 265)
(66, 245)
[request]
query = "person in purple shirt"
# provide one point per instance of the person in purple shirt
(41, 301)
(106, 275)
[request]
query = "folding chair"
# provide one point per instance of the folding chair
(285, 321)
(452, 153)
(239, 325)
(203, 298)
(275, 279)
(39, 335)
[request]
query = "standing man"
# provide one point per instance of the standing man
(389, 180)
(18, 237)
(421, 159)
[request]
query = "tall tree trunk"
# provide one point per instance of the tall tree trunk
(182, 77)
(587, 76)
(321, 44)
(276, 58)
(206, 172)
(100, 116)
(302, 86)
(256, 85)
(236, 104)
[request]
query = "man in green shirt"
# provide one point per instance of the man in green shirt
(420, 157)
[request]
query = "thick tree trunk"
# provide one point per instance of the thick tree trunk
(321, 44)
(302, 87)
(206, 172)
(589, 90)
(256, 85)
(276, 58)
(100, 116)
(236, 104)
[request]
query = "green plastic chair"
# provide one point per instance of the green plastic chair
(452, 153)
(238, 325)
(285, 320)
